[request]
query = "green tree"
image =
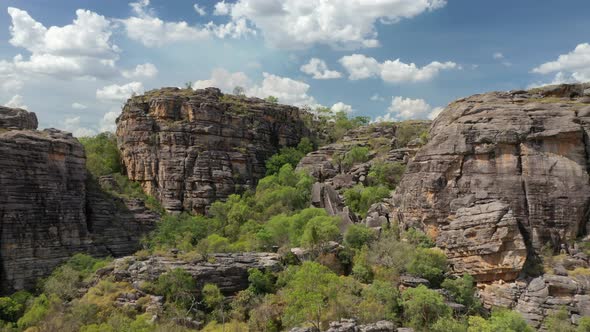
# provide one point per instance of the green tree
(102, 154)
(357, 236)
(386, 174)
(430, 263)
(178, 287)
(380, 301)
(559, 321)
(423, 307)
(463, 290)
(501, 320)
(449, 324)
(360, 198)
(260, 282)
(319, 231)
(272, 99)
(308, 292)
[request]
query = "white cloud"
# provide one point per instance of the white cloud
(406, 108)
(498, 56)
(570, 67)
(377, 97)
(234, 29)
(79, 106)
(342, 107)
(107, 123)
(151, 31)
(200, 10)
(80, 49)
(146, 70)
(221, 8)
(119, 93)
(338, 23)
(73, 125)
(287, 90)
(360, 67)
(16, 102)
(319, 70)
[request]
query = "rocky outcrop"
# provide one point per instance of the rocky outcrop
(228, 271)
(16, 118)
(190, 148)
(504, 174)
(47, 210)
(351, 325)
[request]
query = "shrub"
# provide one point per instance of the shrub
(463, 290)
(319, 231)
(430, 264)
(501, 320)
(102, 154)
(288, 155)
(559, 321)
(177, 286)
(260, 282)
(357, 236)
(212, 296)
(418, 238)
(38, 310)
(423, 307)
(386, 174)
(360, 198)
(355, 156)
(380, 301)
(449, 324)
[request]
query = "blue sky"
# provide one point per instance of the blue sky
(388, 59)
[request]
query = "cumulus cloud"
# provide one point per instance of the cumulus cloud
(79, 106)
(319, 70)
(234, 29)
(151, 31)
(200, 10)
(16, 102)
(82, 48)
(341, 107)
(377, 97)
(360, 66)
(338, 23)
(498, 56)
(146, 70)
(570, 67)
(119, 93)
(287, 90)
(107, 123)
(407, 108)
(73, 125)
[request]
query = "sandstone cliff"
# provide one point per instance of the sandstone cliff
(190, 148)
(47, 211)
(504, 174)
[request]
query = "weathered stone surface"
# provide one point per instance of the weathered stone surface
(351, 325)
(228, 271)
(48, 213)
(16, 118)
(503, 174)
(190, 148)
(326, 197)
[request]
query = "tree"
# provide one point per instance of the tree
(188, 85)
(423, 307)
(357, 236)
(386, 174)
(239, 91)
(178, 287)
(319, 231)
(360, 198)
(272, 99)
(502, 320)
(102, 154)
(308, 292)
(463, 291)
(449, 324)
(430, 264)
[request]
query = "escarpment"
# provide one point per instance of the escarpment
(48, 212)
(190, 148)
(504, 174)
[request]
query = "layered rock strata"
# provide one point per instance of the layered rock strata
(190, 148)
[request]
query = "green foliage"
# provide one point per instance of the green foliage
(390, 255)
(212, 296)
(39, 309)
(65, 281)
(502, 320)
(288, 155)
(408, 131)
(380, 301)
(102, 154)
(418, 238)
(320, 230)
(260, 282)
(449, 324)
(357, 236)
(386, 174)
(559, 321)
(430, 264)
(360, 198)
(181, 231)
(272, 99)
(361, 270)
(584, 325)
(423, 307)
(308, 291)
(178, 287)
(463, 290)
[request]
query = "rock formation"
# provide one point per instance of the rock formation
(504, 174)
(190, 148)
(47, 212)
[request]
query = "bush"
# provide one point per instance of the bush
(390, 254)
(319, 231)
(357, 236)
(418, 238)
(212, 296)
(449, 324)
(39, 309)
(463, 291)
(355, 156)
(408, 131)
(260, 282)
(288, 155)
(360, 198)
(380, 301)
(559, 321)
(361, 269)
(430, 264)
(423, 307)
(102, 154)
(178, 287)
(502, 320)
(386, 174)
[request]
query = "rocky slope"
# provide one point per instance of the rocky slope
(47, 212)
(190, 148)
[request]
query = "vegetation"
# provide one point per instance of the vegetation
(288, 155)
(360, 198)
(102, 154)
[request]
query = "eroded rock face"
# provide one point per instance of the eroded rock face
(504, 174)
(16, 118)
(47, 211)
(190, 148)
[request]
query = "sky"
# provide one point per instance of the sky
(74, 63)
